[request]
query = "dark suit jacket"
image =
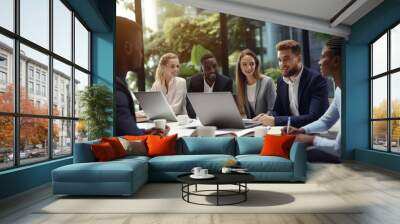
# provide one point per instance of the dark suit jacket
(196, 84)
(313, 100)
(126, 119)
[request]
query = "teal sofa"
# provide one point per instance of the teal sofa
(125, 176)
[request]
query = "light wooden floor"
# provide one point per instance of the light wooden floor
(378, 188)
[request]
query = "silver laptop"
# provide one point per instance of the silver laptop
(219, 109)
(155, 105)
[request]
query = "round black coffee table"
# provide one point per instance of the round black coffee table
(238, 179)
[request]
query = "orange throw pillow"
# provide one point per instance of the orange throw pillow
(103, 152)
(136, 137)
(277, 145)
(116, 145)
(160, 146)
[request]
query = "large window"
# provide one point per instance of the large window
(385, 96)
(44, 64)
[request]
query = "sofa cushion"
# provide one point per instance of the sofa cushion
(135, 147)
(103, 152)
(161, 145)
(136, 137)
(112, 171)
(132, 158)
(206, 145)
(185, 163)
(249, 145)
(116, 145)
(257, 163)
(83, 152)
(277, 145)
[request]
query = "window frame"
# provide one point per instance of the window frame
(388, 74)
(16, 115)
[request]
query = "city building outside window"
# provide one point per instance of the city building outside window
(3, 78)
(38, 89)
(30, 72)
(30, 87)
(37, 74)
(43, 90)
(3, 61)
(3, 72)
(50, 135)
(44, 77)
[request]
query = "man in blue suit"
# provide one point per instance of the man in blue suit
(302, 94)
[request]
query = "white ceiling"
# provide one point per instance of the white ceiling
(315, 15)
(320, 9)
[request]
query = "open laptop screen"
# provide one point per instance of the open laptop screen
(155, 105)
(217, 109)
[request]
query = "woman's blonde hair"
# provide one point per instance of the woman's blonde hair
(162, 64)
(241, 78)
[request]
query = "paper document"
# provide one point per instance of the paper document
(276, 130)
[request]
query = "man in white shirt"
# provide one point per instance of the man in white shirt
(208, 80)
(293, 84)
(325, 150)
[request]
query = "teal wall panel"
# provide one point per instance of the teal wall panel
(89, 11)
(356, 100)
(103, 50)
(377, 158)
(356, 85)
(24, 178)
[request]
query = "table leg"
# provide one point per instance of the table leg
(217, 194)
(182, 190)
(188, 190)
(245, 193)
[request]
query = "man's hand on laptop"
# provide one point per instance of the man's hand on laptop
(292, 130)
(265, 119)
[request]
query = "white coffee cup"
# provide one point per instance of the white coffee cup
(206, 131)
(226, 170)
(203, 172)
(260, 131)
(196, 170)
(182, 119)
(160, 123)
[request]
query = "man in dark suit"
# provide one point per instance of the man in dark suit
(301, 93)
(208, 80)
(129, 58)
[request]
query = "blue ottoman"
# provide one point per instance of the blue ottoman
(119, 177)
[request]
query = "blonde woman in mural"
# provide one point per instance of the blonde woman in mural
(167, 82)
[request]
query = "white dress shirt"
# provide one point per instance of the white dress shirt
(251, 95)
(176, 95)
(207, 88)
(293, 88)
(324, 123)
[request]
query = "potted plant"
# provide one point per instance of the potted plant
(96, 104)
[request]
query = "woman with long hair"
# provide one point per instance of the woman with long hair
(167, 82)
(255, 92)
